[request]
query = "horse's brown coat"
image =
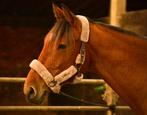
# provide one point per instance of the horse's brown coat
(119, 57)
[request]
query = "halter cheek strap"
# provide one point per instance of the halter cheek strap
(54, 82)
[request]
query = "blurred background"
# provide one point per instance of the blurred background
(23, 25)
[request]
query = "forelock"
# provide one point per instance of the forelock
(60, 28)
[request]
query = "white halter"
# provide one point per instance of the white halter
(54, 82)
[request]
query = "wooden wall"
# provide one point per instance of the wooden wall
(135, 21)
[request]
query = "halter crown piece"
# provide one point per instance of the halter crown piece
(54, 82)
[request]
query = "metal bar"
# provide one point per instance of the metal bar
(22, 79)
(60, 108)
(12, 79)
(91, 81)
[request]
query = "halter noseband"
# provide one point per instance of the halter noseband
(54, 82)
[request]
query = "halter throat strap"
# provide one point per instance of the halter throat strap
(54, 82)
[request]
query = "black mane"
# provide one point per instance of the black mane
(118, 29)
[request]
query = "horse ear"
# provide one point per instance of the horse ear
(68, 15)
(58, 13)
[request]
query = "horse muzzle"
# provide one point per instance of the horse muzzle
(34, 89)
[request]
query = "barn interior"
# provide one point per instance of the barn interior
(23, 26)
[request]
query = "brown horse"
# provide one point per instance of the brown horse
(118, 56)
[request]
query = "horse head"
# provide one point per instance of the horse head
(61, 58)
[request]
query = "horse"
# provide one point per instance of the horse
(117, 55)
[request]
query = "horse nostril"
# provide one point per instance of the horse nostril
(31, 93)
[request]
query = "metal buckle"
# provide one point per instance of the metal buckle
(52, 83)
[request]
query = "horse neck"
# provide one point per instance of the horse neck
(121, 59)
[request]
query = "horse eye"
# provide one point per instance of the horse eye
(62, 46)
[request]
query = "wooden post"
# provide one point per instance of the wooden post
(117, 8)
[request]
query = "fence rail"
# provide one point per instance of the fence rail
(22, 79)
(60, 108)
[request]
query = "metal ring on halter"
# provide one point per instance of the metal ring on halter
(52, 83)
